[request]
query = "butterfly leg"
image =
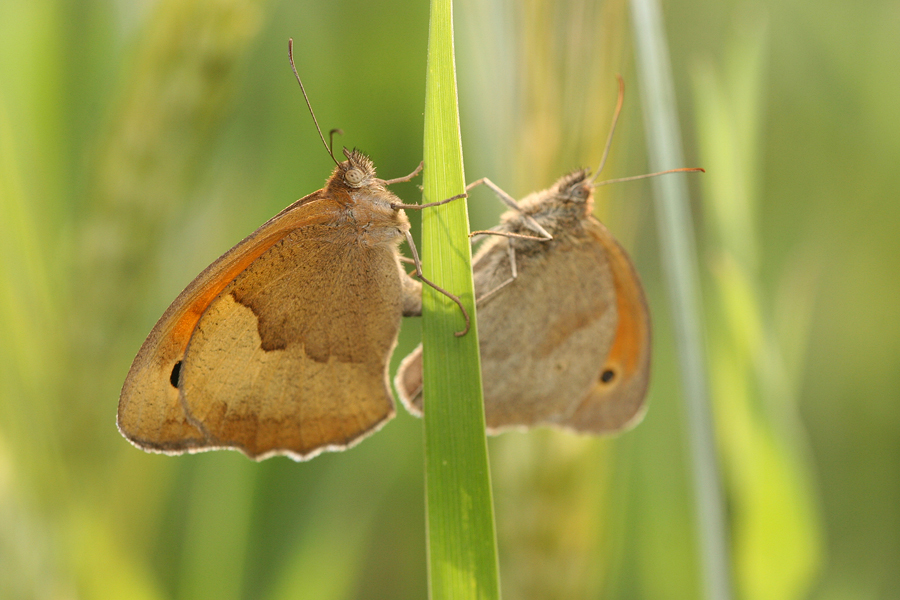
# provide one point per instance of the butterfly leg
(429, 204)
(501, 194)
(513, 274)
(406, 178)
(409, 261)
(411, 290)
(513, 204)
(420, 275)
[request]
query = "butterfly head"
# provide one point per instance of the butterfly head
(574, 192)
(357, 171)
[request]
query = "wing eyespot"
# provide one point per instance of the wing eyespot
(607, 375)
(175, 375)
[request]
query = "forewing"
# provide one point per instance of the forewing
(616, 399)
(291, 357)
(150, 414)
(542, 337)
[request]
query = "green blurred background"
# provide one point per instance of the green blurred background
(138, 141)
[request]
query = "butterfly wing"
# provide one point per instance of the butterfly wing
(169, 400)
(542, 337)
(616, 399)
(408, 381)
(292, 356)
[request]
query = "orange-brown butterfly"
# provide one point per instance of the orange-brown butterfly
(281, 346)
(563, 323)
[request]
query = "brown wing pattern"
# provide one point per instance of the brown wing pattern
(150, 413)
(535, 371)
(616, 400)
(307, 371)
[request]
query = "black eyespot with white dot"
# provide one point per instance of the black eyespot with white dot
(607, 375)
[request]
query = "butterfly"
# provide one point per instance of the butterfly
(281, 346)
(564, 326)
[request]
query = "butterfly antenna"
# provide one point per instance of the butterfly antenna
(305, 97)
(645, 176)
(331, 139)
(612, 129)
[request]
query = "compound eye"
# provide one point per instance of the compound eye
(354, 177)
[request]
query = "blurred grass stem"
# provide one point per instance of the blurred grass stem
(679, 262)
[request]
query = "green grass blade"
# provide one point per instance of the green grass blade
(680, 265)
(462, 556)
